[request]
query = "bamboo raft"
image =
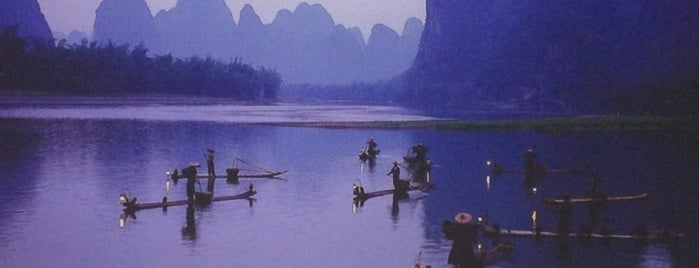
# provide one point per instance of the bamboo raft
(368, 195)
(540, 170)
(547, 234)
(597, 199)
(269, 175)
(200, 198)
(492, 256)
(233, 173)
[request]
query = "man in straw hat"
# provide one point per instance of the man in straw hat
(209, 155)
(190, 173)
(464, 236)
(401, 186)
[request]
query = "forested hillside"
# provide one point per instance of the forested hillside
(30, 66)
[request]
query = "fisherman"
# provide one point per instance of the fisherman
(495, 168)
(209, 155)
(464, 236)
(190, 173)
(594, 190)
(232, 175)
(398, 184)
(598, 204)
(529, 165)
(127, 202)
(420, 151)
(372, 147)
(357, 190)
(564, 215)
(395, 171)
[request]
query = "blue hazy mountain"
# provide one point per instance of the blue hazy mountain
(383, 50)
(412, 31)
(27, 16)
(74, 37)
(562, 54)
(196, 28)
(125, 22)
(253, 38)
(304, 45)
(300, 39)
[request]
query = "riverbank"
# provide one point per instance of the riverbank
(38, 99)
(553, 124)
(347, 116)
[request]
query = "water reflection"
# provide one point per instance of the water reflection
(189, 231)
(596, 218)
(395, 208)
(95, 158)
(656, 256)
(372, 164)
(225, 113)
(487, 183)
(20, 150)
(125, 216)
(565, 258)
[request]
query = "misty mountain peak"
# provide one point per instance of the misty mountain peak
(315, 11)
(283, 17)
(412, 28)
(307, 22)
(356, 33)
(123, 22)
(348, 37)
(205, 11)
(313, 20)
(249, 18)
(196, 27)
(382, 35)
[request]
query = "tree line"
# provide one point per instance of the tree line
(91, 68)
(379, 92)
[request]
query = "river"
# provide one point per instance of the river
(64, 166)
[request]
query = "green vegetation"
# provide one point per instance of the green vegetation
(93, 69)
(552, 125)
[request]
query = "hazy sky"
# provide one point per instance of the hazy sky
(67, 15)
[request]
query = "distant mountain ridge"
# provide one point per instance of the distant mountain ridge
(195, 27)
(304, 46)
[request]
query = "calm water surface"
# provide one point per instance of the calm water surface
(62, 170)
